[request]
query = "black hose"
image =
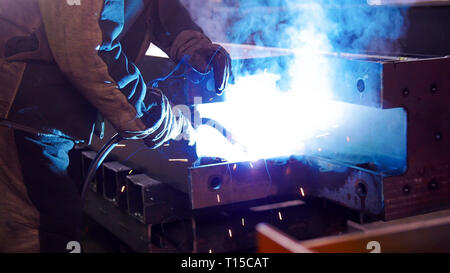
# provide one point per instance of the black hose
(20, 127)
(98, 160)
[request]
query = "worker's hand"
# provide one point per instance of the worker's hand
(204, 56)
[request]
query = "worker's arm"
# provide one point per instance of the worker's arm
(83, 42)
(176, 33)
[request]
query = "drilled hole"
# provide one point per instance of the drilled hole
(361, 189)
(361, 85)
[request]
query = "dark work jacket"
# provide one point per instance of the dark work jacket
(65, 57)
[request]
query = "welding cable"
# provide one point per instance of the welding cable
(98, 160)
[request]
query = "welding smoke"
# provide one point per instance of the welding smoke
(347, 25)
(280, 105)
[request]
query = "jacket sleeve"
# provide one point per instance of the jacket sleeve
(170, 19)
(84, 44)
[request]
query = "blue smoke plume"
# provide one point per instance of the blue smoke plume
(349, 25)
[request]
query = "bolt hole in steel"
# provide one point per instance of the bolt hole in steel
(433, 184)
(361, 85)
(361, 189)
(406, 189)
(215, 182)
(405, 92)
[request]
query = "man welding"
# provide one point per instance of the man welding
(64, 65)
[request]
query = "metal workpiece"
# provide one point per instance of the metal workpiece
(151, 201)
(363, 187)
(418, 191)
(386, 84)
(356, 81)
(96, 185)
(179, 207)
(118, 222)
(416, 234)
(231, 231)
(217, 185)
(368, 80)
(352, 78)
(425, 186)
(114, 183)
(356, 188)
(222, 231)
(228, 183)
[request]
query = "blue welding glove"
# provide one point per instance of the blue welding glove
(204, 56)
(164, 124)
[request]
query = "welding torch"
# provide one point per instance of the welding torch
(184, 128)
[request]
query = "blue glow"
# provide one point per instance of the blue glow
(283, 106)
(264, 122)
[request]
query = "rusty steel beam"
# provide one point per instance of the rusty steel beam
(421, 88)
(417, 85)
(228, 183)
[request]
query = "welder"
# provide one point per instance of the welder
(65, 66)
